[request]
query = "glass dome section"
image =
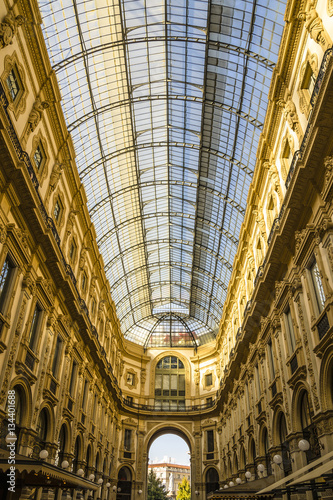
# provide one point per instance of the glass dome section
(165, 101)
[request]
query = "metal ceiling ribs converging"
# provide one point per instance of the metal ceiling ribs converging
(165, 101)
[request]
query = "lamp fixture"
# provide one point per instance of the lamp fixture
(277, 459)
(304, 445)
(64, 464)
(114, 488)
(238, 480)
(119, 490)
(261, 468)
(231, 484)
(43, 454)
(100, 481)
(80, 472)
(196, 492)
(248, 474)
(91, 477)
(140, 491)
(226, 486)
(11, 438)
(108, 485)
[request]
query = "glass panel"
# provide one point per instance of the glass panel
(166, 171)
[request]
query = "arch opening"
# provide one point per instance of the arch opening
(169, 461)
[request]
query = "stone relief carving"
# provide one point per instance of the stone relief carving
(314, 25)
(9, 27)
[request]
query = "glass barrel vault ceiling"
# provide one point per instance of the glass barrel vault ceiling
(165, 101)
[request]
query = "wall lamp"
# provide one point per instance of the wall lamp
(43, 454)
(114, 488)
(196, 492)
(140, 491)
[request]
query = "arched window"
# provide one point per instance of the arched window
(284, 445)
(88, 461)
(212, 480)
(42, 426)
(124, 485)
(170, 384)
(309, 429)
(266, 453)
(59, 458)
(77, 453)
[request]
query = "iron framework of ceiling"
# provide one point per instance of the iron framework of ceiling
(165, 101)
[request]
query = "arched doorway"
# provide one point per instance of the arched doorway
(154, 451)
(212, 480)
(124, 484)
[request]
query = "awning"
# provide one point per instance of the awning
(39, 473)
(314, 474)
(300, 476)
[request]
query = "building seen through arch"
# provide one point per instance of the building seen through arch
(166, 236)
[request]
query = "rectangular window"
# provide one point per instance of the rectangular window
(209, 379)
(247, 398)
(73, 379)
(84, 282)
(13, 83)
(210, 444)
(290, 331)
(318, 286)
(39, 156)
(95, 407)
(72, 250)
(271, 359)
(85, 395)
(57, 210)
(34, 327)
(257, 377)
(5, 279)
(56, 358)
(127, 443)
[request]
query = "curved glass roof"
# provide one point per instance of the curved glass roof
(165, 101)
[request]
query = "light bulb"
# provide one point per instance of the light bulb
(80, 472)
(277, 459)
(231, 484)
(43, 454)
(248, 474)
(226, 486)
(261, 467)
(100, 481)
(140, 491)
(64, 464)
(91, 477)
(114, 488)
(108, 485)
(303, 445)
(238, 480)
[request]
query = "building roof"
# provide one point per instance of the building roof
(165, 101)
(169, 465)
